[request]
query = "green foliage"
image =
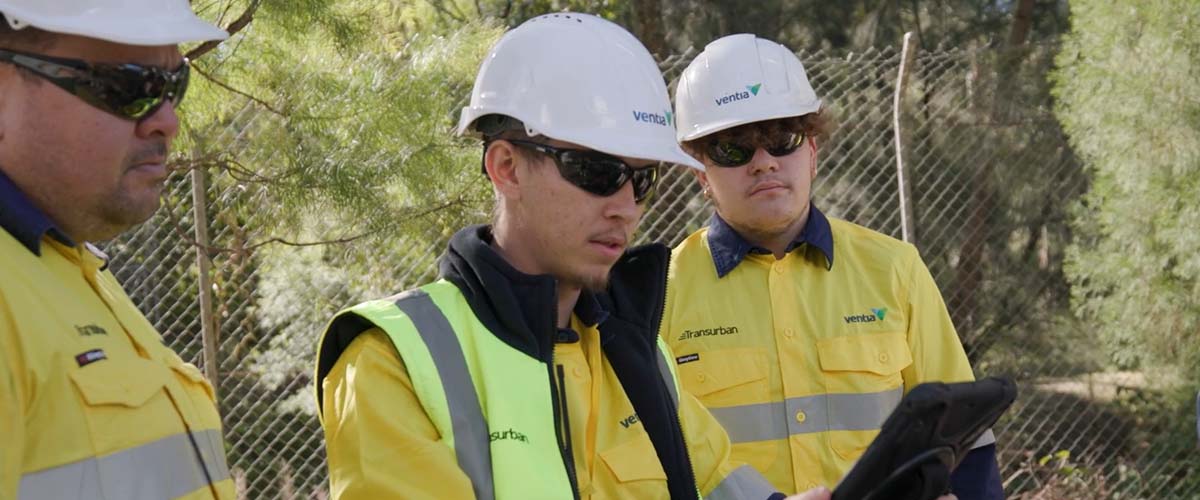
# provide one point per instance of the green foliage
(318, 122)
(1126, 90)
(338, 145)
(357, 139)
(855, 24)
(1056, 476)
(989, 157)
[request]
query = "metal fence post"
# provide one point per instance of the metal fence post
(208, 323)
(908, 221)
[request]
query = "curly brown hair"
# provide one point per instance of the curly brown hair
(812, 125)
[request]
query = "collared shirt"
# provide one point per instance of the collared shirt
(23, 220)
(92, 404)
(588, 314)
(800, 360)
(729, 248)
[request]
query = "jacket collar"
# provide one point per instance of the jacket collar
(24, 221)
(729, 248)
(521, 309)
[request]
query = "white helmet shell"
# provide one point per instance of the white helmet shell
(131, 22)
(740, 79)
(582, 79)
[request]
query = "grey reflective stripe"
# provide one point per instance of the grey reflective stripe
(743, 482)
(471, 441)
(985, 439)
(822, 412)
(166, 468)
(665, 372)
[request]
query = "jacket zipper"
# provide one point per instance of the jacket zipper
(687, 454)
(558, 395)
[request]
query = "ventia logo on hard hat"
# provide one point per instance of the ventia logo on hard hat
(751, 91)
(664, 119)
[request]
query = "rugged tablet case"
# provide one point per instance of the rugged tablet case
(924, 439)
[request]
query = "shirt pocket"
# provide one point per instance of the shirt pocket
(731, 383)
(862, 366)
(122, 401)
(727, 377)
(863, 363)
(635, 467)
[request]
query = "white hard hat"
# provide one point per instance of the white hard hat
(131, 22)
(581, 79)
(741, 79)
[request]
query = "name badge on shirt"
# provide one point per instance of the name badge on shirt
(90, 357)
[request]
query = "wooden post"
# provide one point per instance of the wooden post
(908, 221)
(208, 323)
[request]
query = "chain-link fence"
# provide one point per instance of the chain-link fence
(990, 182)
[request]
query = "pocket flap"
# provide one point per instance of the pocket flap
(719, 370)
(634, 460)
(881, 353)
(190, 372)
(130, 382)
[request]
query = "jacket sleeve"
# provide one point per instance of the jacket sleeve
(717, 476)
(978, 476)
(379, 441)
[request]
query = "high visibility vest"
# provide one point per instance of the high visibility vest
(490, 403)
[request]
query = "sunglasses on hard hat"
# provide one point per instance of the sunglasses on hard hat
(597, 173)
(129, 91)
(731, 154)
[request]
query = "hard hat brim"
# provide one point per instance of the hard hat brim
(739, 120)
(648, 150)
(145, 31)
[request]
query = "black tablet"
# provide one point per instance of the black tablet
(924, 439)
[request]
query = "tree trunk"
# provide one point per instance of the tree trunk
(964, 304)
(1022, 23)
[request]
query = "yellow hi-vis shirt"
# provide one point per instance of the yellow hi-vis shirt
(92, 404)
(802, 358)
(382, 444)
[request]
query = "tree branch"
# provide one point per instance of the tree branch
(241, 22)
(228, 87)
(178, 227)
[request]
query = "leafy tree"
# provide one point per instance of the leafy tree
(1126, 89)
(316, 122)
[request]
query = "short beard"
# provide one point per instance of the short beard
(591, 283)
(594, 284)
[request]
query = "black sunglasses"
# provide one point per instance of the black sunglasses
(731, 154)
(129, 91)
(597, 173)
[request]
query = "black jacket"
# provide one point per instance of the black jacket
(521, 310)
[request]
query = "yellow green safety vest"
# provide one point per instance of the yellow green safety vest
(489, 402)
